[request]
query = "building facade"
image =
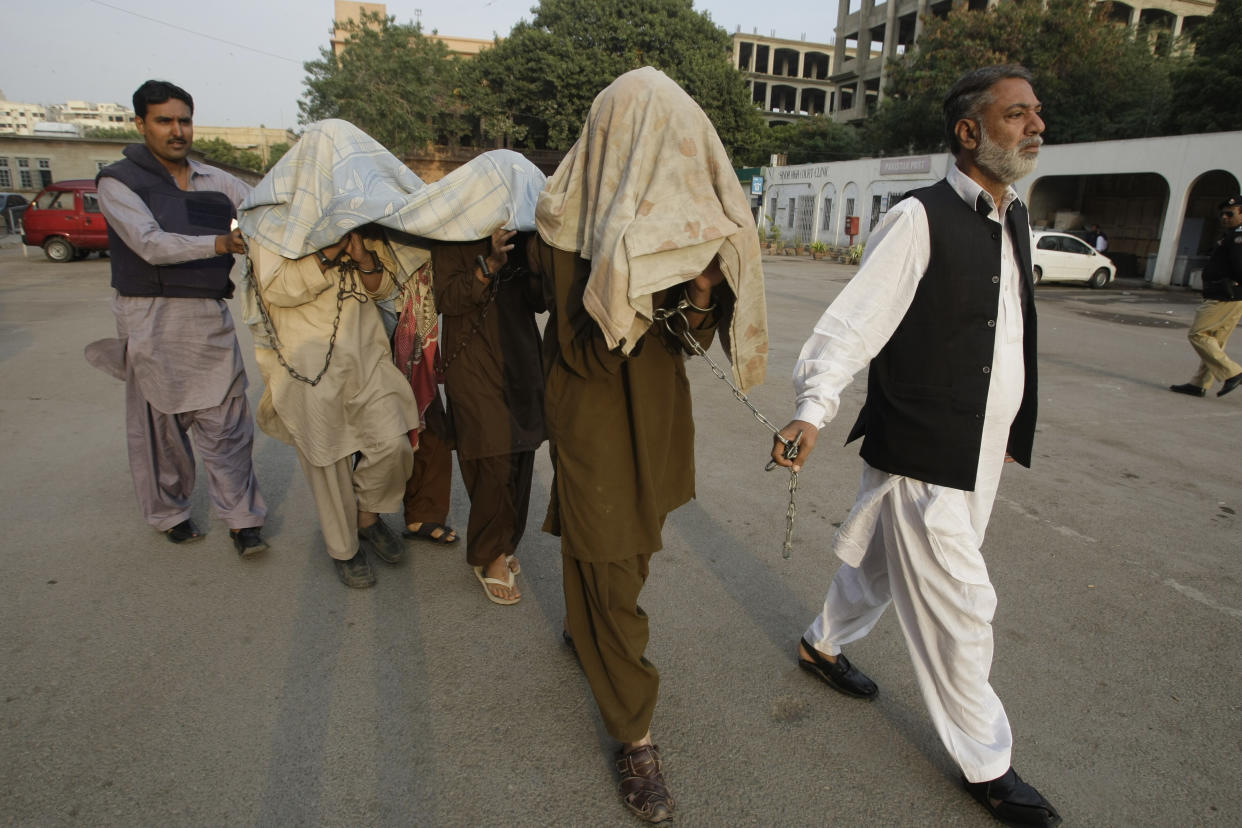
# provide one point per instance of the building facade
(20, 118)
(860, 69)
(1155, 197)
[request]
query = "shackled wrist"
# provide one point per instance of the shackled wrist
(686, 298)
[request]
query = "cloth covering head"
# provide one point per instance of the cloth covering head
(336, 178)
(648, 195)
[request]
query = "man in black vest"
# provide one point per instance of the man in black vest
(172, 249)
(942, 309)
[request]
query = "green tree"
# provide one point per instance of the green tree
(1095, 82)
(391, 81)
(218, 149)
(535, 87)
(274, 153)
(812, 140)
(1205, 90)
(121, 133)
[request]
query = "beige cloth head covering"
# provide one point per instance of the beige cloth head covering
(649, 196)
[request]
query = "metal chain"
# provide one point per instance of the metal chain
(505, 274)
(347, 269)
(674, 318)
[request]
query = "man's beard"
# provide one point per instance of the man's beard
(1006, 165)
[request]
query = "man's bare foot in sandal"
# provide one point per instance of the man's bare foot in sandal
(498, 581)
(433, 532)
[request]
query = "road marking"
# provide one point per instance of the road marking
(1196, 595)
(1056, 527)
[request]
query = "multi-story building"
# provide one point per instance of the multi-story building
(20, 118)
(344, 10)
(858, 81)
(85, 115)
(787, 78)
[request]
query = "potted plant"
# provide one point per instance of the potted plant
(774, 238)
(856, 253)
(818, 250)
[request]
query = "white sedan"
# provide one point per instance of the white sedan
(1060, 257)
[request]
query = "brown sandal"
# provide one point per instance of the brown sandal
(643, 788)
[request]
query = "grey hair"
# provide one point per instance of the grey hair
(972, 93)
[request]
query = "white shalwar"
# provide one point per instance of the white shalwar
(910, 543)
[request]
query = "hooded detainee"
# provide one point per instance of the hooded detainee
(644, 213)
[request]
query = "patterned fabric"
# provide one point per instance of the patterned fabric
(649, 196)
(337, 179)
(415, 342)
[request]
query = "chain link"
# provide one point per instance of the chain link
(506, 274)
(347, 270)
(674, 318)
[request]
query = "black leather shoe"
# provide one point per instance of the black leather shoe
(379, 540)
(184, 532)
(1016, 802)
(248, 542)
(355, 573)
(1190, 388)
(1230, 384)
(840, 676)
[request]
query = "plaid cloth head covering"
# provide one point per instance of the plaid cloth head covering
(336, 178)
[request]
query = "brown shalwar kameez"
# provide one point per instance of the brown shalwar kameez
(621, 433)
(493, 380)
(429, 489)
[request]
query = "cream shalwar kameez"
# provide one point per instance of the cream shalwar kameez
(363, 403)
(907, 542)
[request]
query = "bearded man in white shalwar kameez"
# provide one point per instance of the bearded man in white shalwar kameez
(942, 309)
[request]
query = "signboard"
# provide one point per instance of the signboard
(905, 166)
(756, 185)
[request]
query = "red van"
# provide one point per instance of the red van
(65, 221)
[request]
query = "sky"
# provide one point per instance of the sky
(242, 60)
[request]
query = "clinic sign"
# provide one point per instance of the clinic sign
(905, 166)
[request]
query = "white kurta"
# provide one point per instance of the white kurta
(905, 541)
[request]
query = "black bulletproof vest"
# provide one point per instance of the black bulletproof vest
(179, 211)
(928, 388)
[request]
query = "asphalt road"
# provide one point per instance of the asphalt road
(148, 684)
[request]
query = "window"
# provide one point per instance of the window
(876, 208)
(6, 176)
(90, 202)
(1075, 246)
(45, 172)
(792, 210)
(849, 211)
(772, 211)
(23, 174)
(827, 214)
(55, 200)
(1048, 243)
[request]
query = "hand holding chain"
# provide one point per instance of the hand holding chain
(675, 322)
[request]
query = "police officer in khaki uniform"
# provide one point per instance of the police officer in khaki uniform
(1221, 309)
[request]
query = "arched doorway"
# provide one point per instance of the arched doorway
(1129, 207)
(1201, 224)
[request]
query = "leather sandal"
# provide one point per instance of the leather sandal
(426, 532)
(643, 789)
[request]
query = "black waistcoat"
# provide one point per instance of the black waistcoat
(186, 212)
(928, 388)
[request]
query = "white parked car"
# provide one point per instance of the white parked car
(1060, 257)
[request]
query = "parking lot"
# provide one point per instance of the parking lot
(148, 684)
